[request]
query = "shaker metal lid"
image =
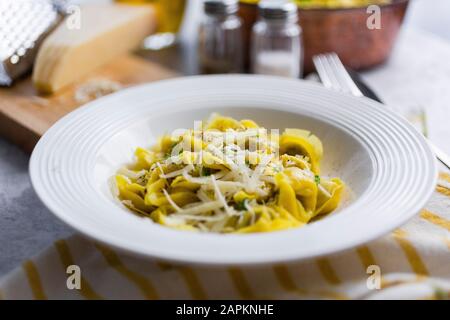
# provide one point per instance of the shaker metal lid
(278, 10)
(221, 6)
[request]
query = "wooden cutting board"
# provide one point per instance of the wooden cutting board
(25, 115)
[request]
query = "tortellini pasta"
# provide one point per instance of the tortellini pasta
(232, 176)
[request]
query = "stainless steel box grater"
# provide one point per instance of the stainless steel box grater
(23, 26)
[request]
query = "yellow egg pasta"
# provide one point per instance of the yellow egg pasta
(230, 176)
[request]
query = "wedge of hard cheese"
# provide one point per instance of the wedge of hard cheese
(105, 32)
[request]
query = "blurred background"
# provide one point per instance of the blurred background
(432, 16)
(429, 15)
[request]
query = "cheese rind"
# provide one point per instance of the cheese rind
(106, 31)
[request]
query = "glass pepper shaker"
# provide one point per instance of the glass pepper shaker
(277, 40)
(220, 38)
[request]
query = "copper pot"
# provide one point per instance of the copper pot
(343, 31)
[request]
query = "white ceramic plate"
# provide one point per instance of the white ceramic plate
(386, 164)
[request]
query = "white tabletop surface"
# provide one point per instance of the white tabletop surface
(416, 76)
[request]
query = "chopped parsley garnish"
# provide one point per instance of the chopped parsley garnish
(206, 172)
(317, 179)
(276, 168)
(241, 206)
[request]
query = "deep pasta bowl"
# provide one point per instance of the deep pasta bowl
(388, 169)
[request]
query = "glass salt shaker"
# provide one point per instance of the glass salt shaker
(277, 40)
(220, 38)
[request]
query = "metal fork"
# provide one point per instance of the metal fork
(334, 76)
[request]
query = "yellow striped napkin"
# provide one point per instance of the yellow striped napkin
(414, 262)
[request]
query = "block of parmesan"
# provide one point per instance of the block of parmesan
(105, 32)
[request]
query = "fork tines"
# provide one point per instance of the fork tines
(333, 74)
